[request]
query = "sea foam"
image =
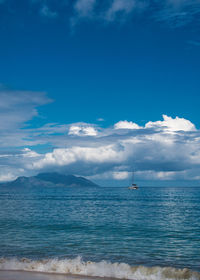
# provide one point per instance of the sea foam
(101, 269)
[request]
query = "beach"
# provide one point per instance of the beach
(142, 273)
(24, 275)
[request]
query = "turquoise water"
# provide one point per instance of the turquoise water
(152, 226)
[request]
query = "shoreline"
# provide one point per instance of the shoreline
(34, 275)
(76, 269)
(165, 274)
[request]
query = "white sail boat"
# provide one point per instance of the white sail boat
(133, 185)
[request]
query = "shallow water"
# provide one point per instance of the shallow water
(148, 227)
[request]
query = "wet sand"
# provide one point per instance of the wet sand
(27, 275)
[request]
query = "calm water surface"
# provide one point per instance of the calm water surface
(150, 226)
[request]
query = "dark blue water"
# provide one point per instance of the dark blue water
(149, 226)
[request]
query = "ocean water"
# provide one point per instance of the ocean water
(150, 233)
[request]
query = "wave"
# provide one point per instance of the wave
(98, 269)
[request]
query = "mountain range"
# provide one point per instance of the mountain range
(50, 179)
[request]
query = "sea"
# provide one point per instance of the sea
(112, 232)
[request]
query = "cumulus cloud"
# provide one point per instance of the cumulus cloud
(28, 153)
(172, 124)
(168, 123)
(13, 163)
(8, 173)
(82, 130)
(126, 125)
(164, 149)
(99, 155)
(120, 175)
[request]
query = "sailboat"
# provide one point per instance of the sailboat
(133, 185)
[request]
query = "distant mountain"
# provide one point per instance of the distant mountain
(50, 179)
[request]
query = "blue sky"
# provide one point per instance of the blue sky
(83, 78)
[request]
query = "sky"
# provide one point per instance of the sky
(99, 88)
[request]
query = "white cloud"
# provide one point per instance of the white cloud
(126, 125)
(83, 130)
(172, 124)
(28, 153)
(161, 175)
(150, 150)
(165, 149)
(168, 123)
(8, 173)
(63, 157)
(120, 175)
(8, 176)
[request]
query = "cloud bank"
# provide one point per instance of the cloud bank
(168, 149)
(165, 149)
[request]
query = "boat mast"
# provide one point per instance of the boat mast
(133, 177)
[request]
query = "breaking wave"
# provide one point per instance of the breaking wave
(101, 269)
